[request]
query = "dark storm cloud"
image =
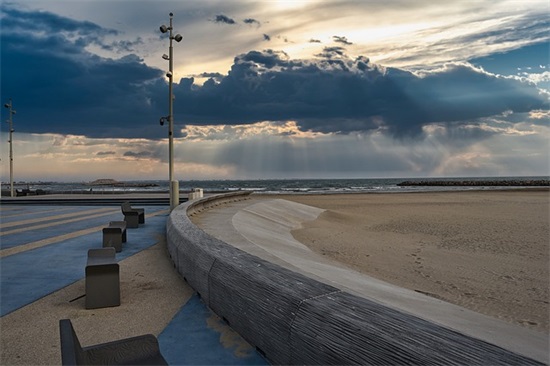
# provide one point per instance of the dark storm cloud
(224, 19)
(332, 52)
(314, 41)
(267, 58)
(211, 75)
(251, 21)
(339, 94)
(15, 20)
(140, 154)
(58, 86)
(104, 153)
(342, 40)
(124, 46)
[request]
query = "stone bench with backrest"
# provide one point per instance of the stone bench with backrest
(114, 235)
(132, 216)
(140, 350)
(102, 279)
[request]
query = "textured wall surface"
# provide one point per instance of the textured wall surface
(293, 319)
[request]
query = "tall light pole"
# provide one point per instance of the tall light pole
(10, 121)
(174, 184)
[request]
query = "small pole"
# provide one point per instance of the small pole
(10, 121)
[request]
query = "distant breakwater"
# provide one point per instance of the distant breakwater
(115, 183)
(477, 183)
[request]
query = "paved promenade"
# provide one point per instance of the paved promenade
(43, 253)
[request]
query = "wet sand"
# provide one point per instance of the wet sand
(487, 251)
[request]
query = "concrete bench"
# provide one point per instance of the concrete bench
(114, 235)
(140, 350)
(102, 279)
(132, 216)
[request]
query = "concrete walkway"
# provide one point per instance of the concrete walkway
(43, 253)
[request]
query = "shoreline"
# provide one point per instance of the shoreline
(485, 250)
(280, 186)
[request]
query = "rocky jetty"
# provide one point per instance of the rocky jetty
(115, 183)
(478, 183)
(104, 182)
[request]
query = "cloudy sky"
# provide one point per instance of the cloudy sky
(276, 89)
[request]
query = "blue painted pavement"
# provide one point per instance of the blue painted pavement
(35, 234)
(24, 213)
(189, 338)
(26, 277)
(194, 336)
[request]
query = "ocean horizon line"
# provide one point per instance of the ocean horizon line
(280, 186)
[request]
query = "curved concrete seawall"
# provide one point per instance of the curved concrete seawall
(293, 319)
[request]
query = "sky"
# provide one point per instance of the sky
(276, 89)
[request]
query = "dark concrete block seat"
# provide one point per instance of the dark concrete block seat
(140, 350)
(114, 235)
(102, 279)
(132, 216)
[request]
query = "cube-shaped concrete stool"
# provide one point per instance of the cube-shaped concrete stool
(114, 235)
(102, 279)
(132, 221)
(132, 216)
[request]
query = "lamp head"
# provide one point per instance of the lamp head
(178, 37)
(7, 105)
(163, 29)
(165, 56)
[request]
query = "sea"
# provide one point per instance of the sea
(278, 186)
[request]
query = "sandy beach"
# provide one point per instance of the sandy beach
(484, 250)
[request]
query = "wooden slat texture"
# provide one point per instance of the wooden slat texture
(342, 328)
(247, 292)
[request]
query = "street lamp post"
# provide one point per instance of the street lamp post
(174, 184)
(10, 121)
